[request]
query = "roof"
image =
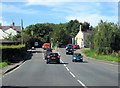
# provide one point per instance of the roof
(17, 28)
(88, 31)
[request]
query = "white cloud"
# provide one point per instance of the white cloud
(56, 2)
(93, 19)
(3, 22)
(17, 9)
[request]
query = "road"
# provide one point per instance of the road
(35, 72)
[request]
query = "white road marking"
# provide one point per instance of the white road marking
(72, 74)
(15, 69)
(61, 61)
(64, 65)
(67, 68)
(81, 83)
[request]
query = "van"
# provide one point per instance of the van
(46, 45)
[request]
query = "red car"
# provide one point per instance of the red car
(76, 47)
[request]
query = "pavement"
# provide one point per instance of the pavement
(12, 66)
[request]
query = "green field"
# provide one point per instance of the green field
(91, 53)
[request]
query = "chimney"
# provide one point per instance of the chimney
(80, 27)
(13, 24)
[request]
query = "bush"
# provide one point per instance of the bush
(13, 53)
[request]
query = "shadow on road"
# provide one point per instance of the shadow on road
(81, 62)
(14, 87)
(36, 51)
(58, 63)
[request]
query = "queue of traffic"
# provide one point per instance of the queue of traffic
(54, 57)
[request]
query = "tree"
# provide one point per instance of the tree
(107, 39)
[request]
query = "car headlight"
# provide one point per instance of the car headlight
(74, 58)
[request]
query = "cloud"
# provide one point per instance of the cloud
(57, 2)
(93, 19)
(17, 9)
(3, 22)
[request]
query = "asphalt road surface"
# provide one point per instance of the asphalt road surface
(35, 72)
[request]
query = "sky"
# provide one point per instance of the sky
(59, 11)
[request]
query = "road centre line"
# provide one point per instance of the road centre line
(72, 74)
(67, 68)
(81, 83)
(64, 65)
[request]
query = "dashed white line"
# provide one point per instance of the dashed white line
(62, 61)
(81, 83)
(64, 65)
(72, 74)
(67, 68)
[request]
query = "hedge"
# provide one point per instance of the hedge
(13, 53)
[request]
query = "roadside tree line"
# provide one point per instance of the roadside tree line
(106, 40)
(61, 33)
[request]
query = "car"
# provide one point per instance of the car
(33, 48)
(77, 57)
(76, 47)
(69, 51)
(46, 54)
(49, 49)
(69, 46)
(53, 57)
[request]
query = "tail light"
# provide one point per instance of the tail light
(58, 56)
(48, 56)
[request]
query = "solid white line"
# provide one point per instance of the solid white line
(67, 68)
(81, 83)
(14, 69)
(72, 74)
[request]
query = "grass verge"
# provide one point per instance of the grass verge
(3, 64)
(91, 53)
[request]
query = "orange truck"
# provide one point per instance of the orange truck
(46, 45)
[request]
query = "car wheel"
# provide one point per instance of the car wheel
(73, 61)
(58, 62)
(47, 62)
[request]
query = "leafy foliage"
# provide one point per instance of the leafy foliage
(107, 39)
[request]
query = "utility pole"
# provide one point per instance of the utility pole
(22, 31)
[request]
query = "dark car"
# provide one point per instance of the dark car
(69, 51)
(49, 49)
(77, 57)
(53, 57)
(69, 46)
(46, 54)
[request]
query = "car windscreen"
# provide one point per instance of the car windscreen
(53, 54)
(77, 55)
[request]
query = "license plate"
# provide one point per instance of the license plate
(53, 58)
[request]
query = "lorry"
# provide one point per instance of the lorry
(46, 45)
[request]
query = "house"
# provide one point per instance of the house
(5, 31)
(81, 37)
(3, 34)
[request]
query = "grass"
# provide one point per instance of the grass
(3, 64)
(91, 53)
(13, 46)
